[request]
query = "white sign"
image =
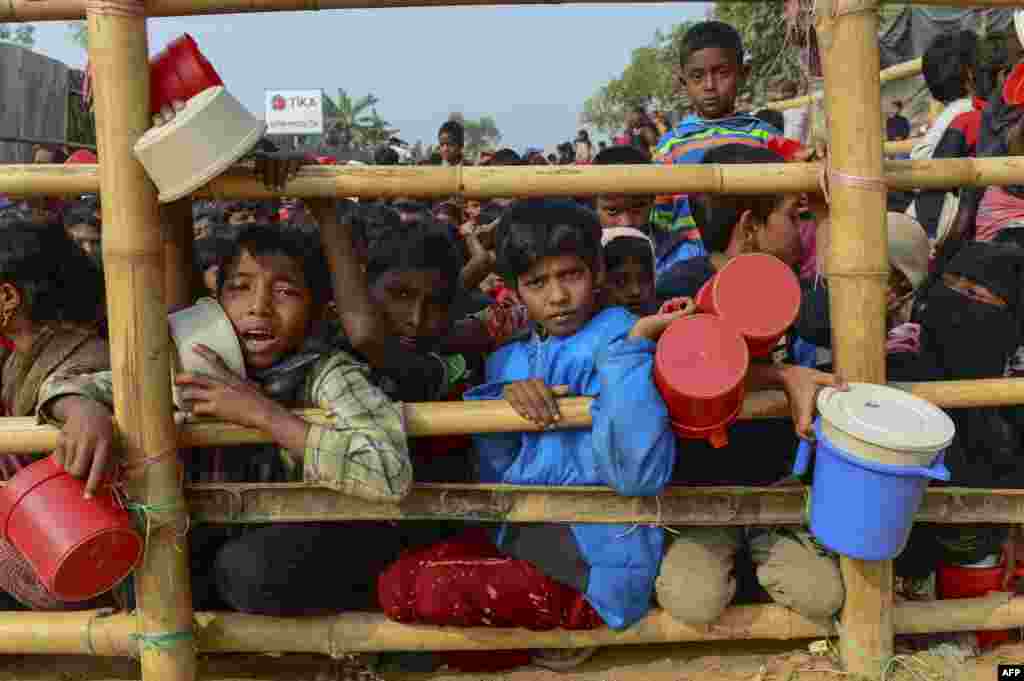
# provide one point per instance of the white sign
(294, 112)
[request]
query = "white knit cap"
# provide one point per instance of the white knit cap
(609, 234)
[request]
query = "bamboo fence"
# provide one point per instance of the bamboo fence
(100, 633)
(858, 265)
(907, 69)
(534, 181)
(146, 260)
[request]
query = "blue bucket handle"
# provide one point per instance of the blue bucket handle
(937, 471)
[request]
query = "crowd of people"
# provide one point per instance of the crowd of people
(358, 307)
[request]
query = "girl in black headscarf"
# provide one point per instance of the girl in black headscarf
(971, 318)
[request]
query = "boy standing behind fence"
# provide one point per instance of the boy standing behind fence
(713, 73)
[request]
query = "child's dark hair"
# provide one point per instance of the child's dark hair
(264, 239)
(709, 34)
(385, 156)
(946, 62)
(541, 228)
(208, 210)
(372, 221)
(456, 133)
(82, 212)
(420, 245)
(209, 251)
(57, 280)
(623, 249)
(261, 209)
(505, 157)
(773, 118)
(716, 215)
(621, 155)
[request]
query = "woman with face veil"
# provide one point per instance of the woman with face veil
(970, 326)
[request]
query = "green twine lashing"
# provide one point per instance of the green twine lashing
(163, 641)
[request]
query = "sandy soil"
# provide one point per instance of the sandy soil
(732, 661)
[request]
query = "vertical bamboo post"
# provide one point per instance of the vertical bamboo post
(180, 277)
(133, 259)
(857, 267)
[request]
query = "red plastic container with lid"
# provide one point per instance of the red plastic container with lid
(79, 548)
(974, 581)
(699, 368)
(759, 295)
(179, 72)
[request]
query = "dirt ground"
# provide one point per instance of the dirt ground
(729, 661)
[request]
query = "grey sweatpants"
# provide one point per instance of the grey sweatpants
(696, 582)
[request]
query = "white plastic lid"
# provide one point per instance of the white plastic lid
(1018, 24)
(887, 417)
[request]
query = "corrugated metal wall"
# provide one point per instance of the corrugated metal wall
(33, 100)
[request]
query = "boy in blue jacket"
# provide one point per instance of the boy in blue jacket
(544, 576)
(713, 71)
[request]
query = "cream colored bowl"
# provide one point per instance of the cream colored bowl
(204, 323)
(203, 140)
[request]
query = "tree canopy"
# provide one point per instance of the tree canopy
(20, 34)
(651, 79)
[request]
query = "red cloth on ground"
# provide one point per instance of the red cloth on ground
(467, 582)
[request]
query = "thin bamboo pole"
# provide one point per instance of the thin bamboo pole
(902, 146)
(907, 69)
(532, 181)
(250, 503)
(92, 633)
(64, 10)
(22, 435)
(133, 253)
(858, 265)
(179, 272)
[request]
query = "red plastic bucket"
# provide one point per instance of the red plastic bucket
(79, 548)
(1013, 87)
(180, 72)
(759, 295)
(699, 368)
(961, 581)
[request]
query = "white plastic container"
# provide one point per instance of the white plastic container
(884, 424)
(207, 324)
(203, 140)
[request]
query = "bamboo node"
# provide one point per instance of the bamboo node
(87, 633)
(164, 641)
(842, 9)
(117, 8)
(830, 176)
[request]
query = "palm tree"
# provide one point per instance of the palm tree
(353, 123)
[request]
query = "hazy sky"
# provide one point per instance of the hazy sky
(529, 67)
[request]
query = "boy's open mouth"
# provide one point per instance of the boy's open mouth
(257, 340)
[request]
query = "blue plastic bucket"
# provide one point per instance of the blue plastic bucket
(859, 508)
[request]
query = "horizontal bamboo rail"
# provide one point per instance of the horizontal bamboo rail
(711, 506)
(907, 69)
(98, 633)
(65, 10)
(22, 435)
(534, 181)
(903, 146)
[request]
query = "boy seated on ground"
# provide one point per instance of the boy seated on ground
(274, 287)
(713, 71)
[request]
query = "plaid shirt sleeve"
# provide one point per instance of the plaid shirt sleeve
(98, 387)
(364, 451)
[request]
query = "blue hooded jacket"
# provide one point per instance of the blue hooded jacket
(630, 447)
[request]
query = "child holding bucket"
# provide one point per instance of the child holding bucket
(51, 296)
(273, 287)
